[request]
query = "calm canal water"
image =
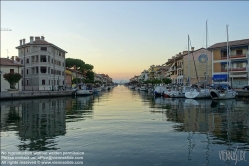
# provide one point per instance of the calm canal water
(127, 127)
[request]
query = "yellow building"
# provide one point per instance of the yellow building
(237, 60)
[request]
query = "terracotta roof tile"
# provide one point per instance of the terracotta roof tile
(8, 62)
(231, 43)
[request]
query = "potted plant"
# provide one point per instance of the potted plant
(12, 78)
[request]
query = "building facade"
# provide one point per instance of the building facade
(231, 66)
(8, 66)
(44, 64)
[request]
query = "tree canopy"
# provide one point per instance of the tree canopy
(12, 78)
(80, 64)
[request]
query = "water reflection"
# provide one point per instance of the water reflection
(38, 122)
(225, 120)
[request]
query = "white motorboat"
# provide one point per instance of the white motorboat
(160, 90)
(197, 92)
(143, 88)
(84, 90)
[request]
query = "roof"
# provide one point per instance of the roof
(8, 62)
(231, 43)
(40, 42)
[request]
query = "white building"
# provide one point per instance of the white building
(44, 64)
(8, 66)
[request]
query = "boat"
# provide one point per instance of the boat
(200, 90)
(160, 90)
(197, 92)
(179, 92)
(143, 88)
(223, 90)
(84, 90)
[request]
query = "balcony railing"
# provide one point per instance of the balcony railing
(238, 69)
(179, 66)
(238, 56)
(234, 69)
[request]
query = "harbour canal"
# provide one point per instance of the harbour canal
(128, 127)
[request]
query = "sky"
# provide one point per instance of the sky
(122, 38)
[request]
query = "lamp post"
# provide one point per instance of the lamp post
(0, 80)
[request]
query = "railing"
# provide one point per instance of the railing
(238, 69)
(238, 56)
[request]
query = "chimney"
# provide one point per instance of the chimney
(20, 42)
(17, 59)
(42, 38)
(12, 58)
(23, 40)
(31, 39)
(37, 38)
(192, 48)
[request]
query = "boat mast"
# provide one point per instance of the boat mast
(188, 63)
(207, 58)
(227, 58)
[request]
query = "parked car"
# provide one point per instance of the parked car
(245, 88)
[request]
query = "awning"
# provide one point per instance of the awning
(224, 62)
(238, 76)
(220, 77)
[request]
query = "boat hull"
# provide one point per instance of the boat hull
(84, 92)
(219, 95)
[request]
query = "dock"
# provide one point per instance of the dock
(33, 94)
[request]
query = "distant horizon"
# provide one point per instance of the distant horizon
(122, 38)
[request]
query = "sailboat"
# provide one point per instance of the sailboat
(223, 91)
(198, 92)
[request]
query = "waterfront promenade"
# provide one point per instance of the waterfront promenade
(33, 94)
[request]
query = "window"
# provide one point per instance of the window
(223, 66)
(59, 53)
(27, 71)
(52, 61)
(27, 82)
(239, 65)
(239, 52)
(224, 54)
(11, 70)
(43, 48)
(21, 61)
(48, 82)
(22, 72)
(27, 49)
(43, 82)
(27, 60)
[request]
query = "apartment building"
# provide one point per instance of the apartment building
(190, 65)
(232, 65)
(44, 64)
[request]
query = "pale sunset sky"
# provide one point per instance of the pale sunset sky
(122, 38)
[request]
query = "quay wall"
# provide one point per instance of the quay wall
(33, 94)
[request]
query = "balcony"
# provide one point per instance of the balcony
(238, 69)
(179, 66)
(238, 56)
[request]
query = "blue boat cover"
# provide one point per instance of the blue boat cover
(220, 77)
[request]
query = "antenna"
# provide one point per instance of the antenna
(5, 29)
(7, 53)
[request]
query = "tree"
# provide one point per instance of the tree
(12, 78)
(167, 80)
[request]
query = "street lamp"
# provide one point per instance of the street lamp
(0, 81)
